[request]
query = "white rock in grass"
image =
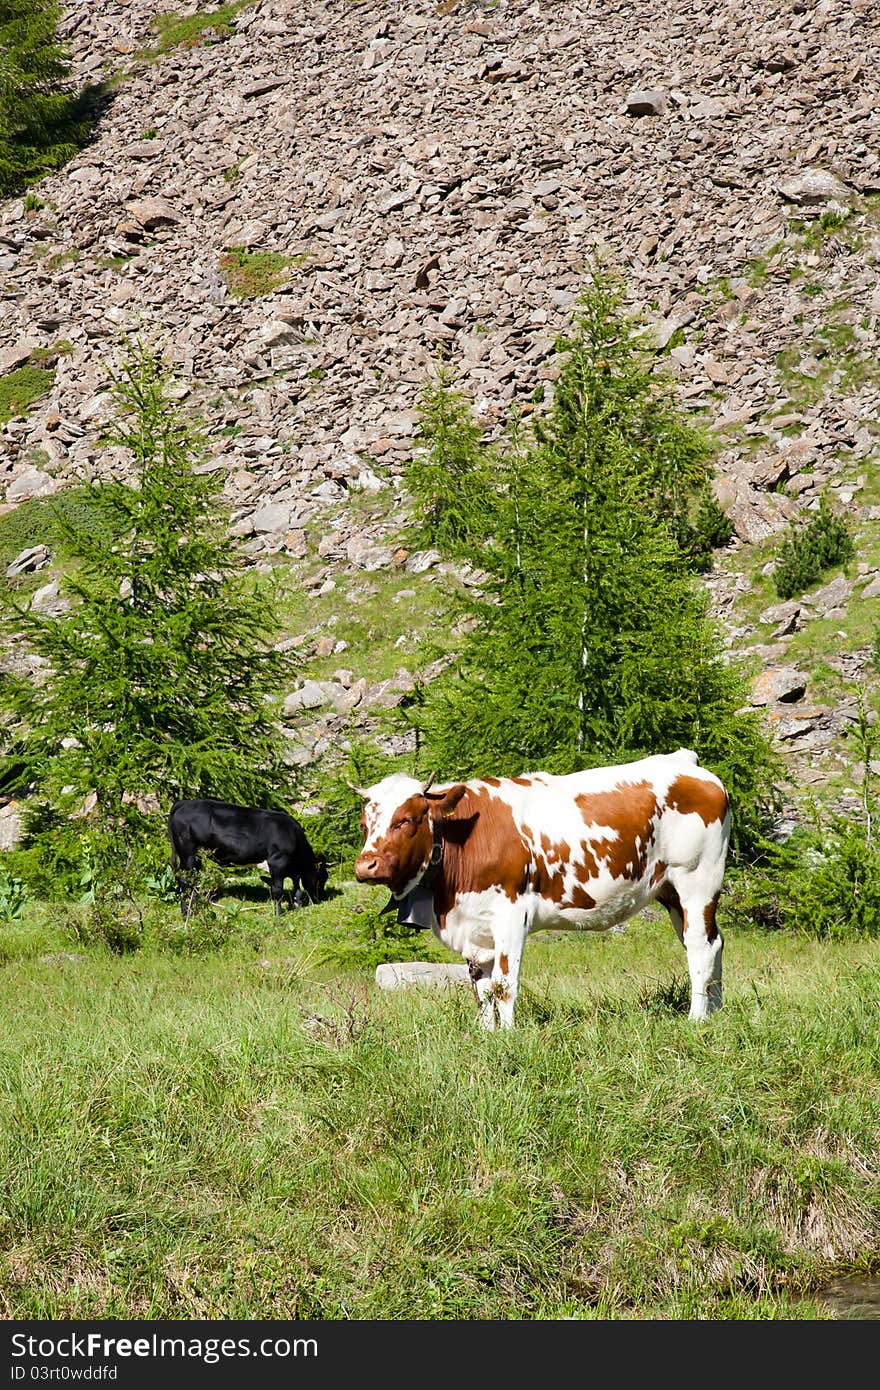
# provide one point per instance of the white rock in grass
(411, 974)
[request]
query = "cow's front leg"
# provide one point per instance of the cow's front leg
(481, 979)
(496, 980)
(276, 888)
(187, 880)
(505, 980)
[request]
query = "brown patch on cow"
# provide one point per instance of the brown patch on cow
(407, 845)
(483, 850)
(491, 781)
(579, 897)
(657, 875)
(522, 781)
(668, 896)
(709, 918)
(696, 796)
(503, 963)
(630, 810)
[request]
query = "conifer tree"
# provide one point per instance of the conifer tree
(591, 641)
(160, 671)
(39, 122)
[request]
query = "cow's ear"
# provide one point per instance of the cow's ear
(446, 802)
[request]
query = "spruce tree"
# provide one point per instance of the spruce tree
(160, 671)
(40, 125)
(591, 640)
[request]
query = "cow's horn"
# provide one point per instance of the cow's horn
(427, 784)
(359, 791)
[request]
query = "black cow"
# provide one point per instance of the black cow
(243, 835)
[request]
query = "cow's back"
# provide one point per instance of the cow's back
(590, 848)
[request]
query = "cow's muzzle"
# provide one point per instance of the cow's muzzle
(369, 868)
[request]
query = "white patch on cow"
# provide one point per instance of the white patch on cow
(382, 801)
(473, 923)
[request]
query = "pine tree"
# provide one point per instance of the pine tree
(591, 641)
(448, 477)
(161, 669)
(40, 124)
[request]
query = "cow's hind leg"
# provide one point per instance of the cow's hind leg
(692, 909)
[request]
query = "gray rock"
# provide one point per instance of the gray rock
(784, 684)
(369, 556)
(153, 212)
(18, 354)
(815, 186)
(31, 483)
(832, 596)
(274, 518)
(646, 103)
(310, 695)
(422, 560)
(872, 588)
(29, 561)
(48, 600)
(416, 974)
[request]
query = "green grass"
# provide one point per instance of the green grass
(250, 274)
(256, 1134)
(21, 388)
(185, 30)
(36, 522)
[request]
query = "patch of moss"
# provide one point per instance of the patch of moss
(186, 30)
(47, 357)
(250, 274)
(19, 390)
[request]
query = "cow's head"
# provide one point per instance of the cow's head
(314, 879)
(398, 824)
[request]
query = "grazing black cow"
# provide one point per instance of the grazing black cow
(243, 835)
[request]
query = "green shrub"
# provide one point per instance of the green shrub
(42, 124)
(699, 538)
(13, 896)
(448, 477)
(204, 931)
(19, 390)
(373, 937)
(251, 274)
(824, 882)
(807, 552)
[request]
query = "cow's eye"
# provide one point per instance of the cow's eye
(401, 822)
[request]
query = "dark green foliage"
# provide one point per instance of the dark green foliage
(590, 641)
(163, 666)
(448, 478)
(807, 552)
(336, 832)
(373, 937)
(50, 521)
(700, 537)
(41, 123)
(13, 896)
(824, 881)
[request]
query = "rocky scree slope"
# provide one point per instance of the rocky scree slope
(308, 206)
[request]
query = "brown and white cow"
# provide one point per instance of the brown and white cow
(486, 862)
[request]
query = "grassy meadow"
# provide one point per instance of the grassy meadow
(258, 1131)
